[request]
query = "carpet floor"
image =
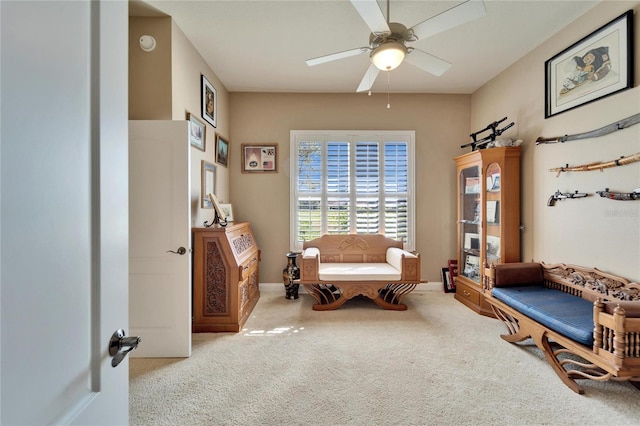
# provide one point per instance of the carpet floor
(438, 363)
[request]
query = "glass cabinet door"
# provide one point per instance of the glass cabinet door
(492, 214)
(470, 219)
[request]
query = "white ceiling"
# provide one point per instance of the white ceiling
(262, 45)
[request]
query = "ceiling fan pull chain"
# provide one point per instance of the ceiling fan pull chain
(388, 88)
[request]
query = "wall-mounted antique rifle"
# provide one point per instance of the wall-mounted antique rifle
(598, 165)
(620, 196)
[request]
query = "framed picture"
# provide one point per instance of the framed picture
(197, 132)
(259, 158)
(216, 205)
(208, 184)
(209, 102)
(227, 209)
(222, 151)
(493, 247)
(599, 65)
(471, 241)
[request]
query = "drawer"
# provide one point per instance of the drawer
(465, 292)
(248, 267)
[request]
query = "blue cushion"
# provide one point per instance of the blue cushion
(568, 315)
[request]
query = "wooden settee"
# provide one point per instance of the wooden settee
(586, 322)
(336, 268)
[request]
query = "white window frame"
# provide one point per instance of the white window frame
(381, 136)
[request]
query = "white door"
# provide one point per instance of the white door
(63, 221)
(160, 238)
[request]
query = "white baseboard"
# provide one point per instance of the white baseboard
(279, 287)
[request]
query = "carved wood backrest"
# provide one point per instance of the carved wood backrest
(590, 283)
(352, 248)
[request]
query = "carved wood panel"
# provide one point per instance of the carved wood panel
(216, 301)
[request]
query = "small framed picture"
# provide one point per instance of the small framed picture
(209, 102)
(197, 132)
(208, 184)
(599, 65)
(259, 158)
(228, 211)
(222, 151)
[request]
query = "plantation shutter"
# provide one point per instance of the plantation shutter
(355, 182)
(367, 188)
(338, 178)
(309, 182)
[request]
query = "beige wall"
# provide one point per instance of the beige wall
(591, 231)
(187, 67)
(150, 72)
(441, 125)
(165, 85)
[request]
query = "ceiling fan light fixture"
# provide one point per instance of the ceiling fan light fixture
(388, 56)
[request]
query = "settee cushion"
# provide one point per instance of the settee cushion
(517, 274)
(394, 257)
(564, 313)
(311, 252)
(358, 272)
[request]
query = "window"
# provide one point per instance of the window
(356, 182)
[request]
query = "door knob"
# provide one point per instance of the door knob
(180, 251)
(120, 346)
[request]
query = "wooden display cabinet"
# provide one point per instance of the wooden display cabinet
(488, 218)
(225, 277)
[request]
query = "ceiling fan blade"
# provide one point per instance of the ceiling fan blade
(372, 15)
(457, 15)
(427, 62)
(368, 79)
(338, 55)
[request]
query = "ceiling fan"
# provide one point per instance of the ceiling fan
(388, 40)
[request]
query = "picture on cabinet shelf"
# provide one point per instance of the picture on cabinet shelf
(472, 266)
(493, 211)
(472, 185)
(493, 182)
(493, 246)
(471, 241)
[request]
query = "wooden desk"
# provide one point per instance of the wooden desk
(225, 277)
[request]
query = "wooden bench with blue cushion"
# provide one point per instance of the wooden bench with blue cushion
(586, 322)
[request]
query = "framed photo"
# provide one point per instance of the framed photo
(493, 246)
(197, 132)
(216, 205)
(471, 241)
(227, 209)
(599, 65)
(259, 158)
(209, 102)
(222, 151)
(208, 184)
